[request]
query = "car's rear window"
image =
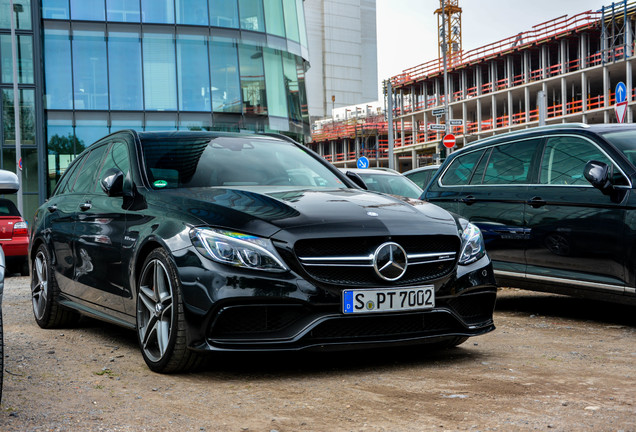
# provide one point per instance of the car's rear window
(7, 208)
(184, 162)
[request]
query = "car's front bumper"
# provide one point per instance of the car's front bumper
(233, 312)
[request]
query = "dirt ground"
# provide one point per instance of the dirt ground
(554, 363)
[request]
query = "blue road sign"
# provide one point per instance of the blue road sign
(363, 163)
(621, 92)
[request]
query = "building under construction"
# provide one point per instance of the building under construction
(561, 71)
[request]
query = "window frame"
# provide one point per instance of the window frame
(595, 144)
(440, 181)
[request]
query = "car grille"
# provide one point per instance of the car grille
(349, 261)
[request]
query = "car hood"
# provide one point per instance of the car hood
(265, 211)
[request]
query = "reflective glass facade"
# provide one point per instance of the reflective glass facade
(169, 64)
(147, 65)
(22, 15)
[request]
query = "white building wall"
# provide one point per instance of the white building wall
(342, 54)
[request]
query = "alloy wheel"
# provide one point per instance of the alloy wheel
(40, 285)
(154, 310)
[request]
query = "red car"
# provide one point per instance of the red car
(14, 238)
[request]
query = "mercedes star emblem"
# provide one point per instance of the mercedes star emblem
(390, 261)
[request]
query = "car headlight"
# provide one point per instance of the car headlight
(473, 247)
(237, 249)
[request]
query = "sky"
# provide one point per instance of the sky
(407, 29)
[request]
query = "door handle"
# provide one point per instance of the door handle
(86, 206)
(468, 200)
(52, 208)
(536, 202)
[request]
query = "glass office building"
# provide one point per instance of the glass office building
(91, 67)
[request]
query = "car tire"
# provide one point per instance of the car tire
(161, 327)
(45, 292)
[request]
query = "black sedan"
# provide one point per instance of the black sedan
(206, 241)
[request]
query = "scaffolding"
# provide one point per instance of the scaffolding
(576, 61)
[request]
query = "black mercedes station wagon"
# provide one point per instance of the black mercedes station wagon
(205, 241)
(556, 206)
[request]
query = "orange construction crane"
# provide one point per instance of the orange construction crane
(449, 17)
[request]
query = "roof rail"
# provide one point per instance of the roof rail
(532, 129)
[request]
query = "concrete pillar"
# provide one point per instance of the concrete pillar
(526, 97)
(402, 132)
(544, 62)
(425, 95)
(584, 91)
(510, 109)
(425, 127)
(563, 56)
(583, 51)
(437, 92)
(509, 72)
(629, 84)
(414, 130)
(478, 81)
(629, 38)
(526, 67)
(464, 116)
(463, 84)
(606, 87)
(564, 97)
(478, 118)
(414, 163)
(413, 98)
(493, 111)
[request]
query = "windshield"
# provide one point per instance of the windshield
(391, 184)
(185, 162)
(625, 141)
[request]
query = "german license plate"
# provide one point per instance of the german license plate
(388, 300)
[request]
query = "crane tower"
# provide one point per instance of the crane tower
(449, 17)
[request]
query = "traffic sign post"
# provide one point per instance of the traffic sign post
(621, 92)
(621, 109)
(363, 163)
(449, 141)
(439, 112)
(621, 102)
(437, 127)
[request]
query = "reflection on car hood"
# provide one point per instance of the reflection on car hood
(265, 210)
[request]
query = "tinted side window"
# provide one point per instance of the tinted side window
(117, 157)
(564, 159)
(87, 176)
(510, 163)
(68, 178)
(421, 178)
(460, 170)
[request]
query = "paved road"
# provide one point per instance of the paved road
(554, 363)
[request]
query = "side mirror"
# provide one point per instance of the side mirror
(8, 182)
(112, 182)
(354, 177)
(598, 174)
